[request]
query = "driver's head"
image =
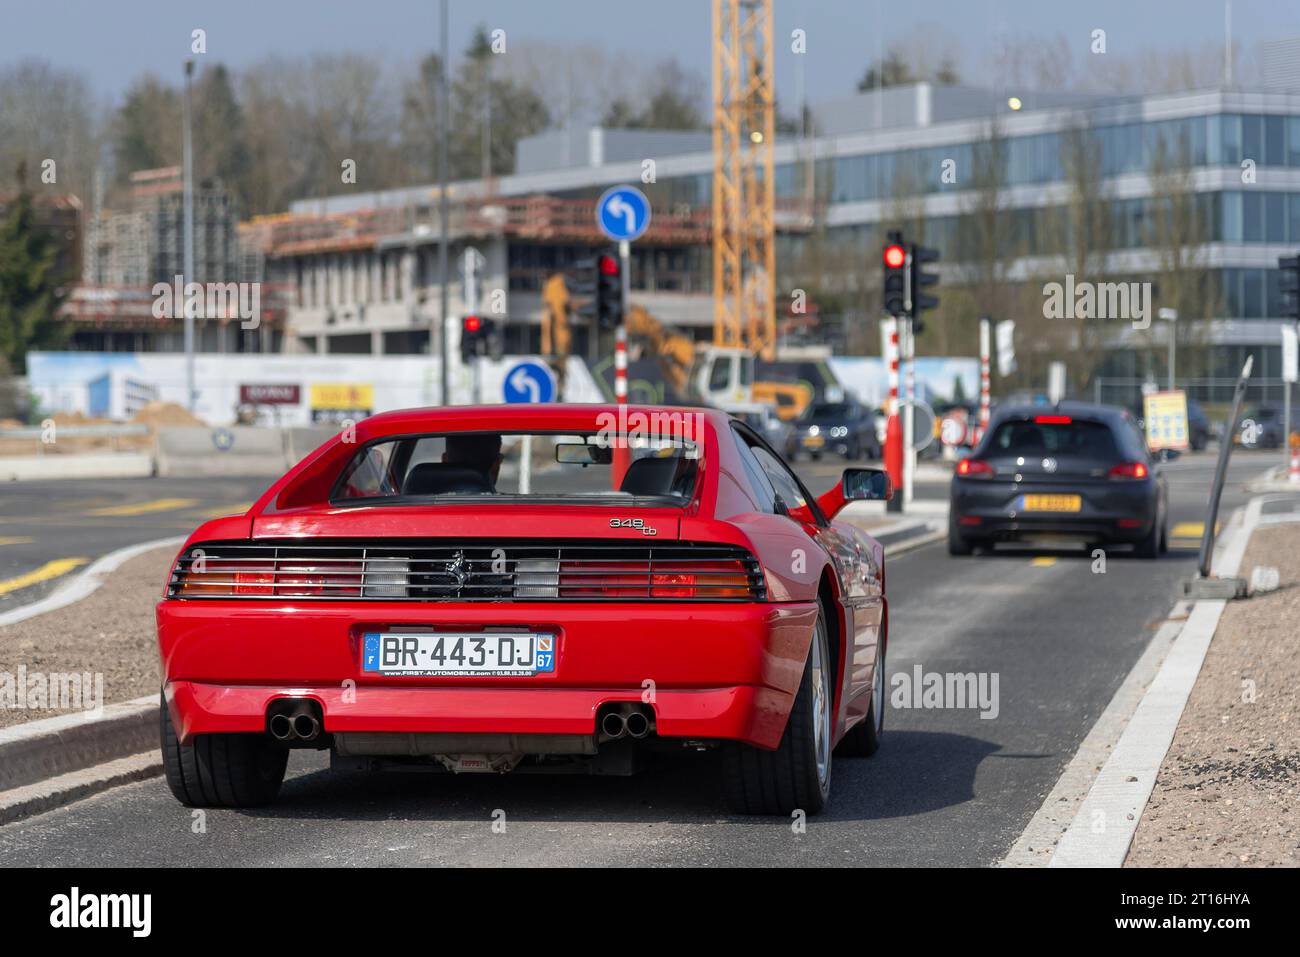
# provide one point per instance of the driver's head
(480, 451)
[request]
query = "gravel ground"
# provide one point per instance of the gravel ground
(1228, 793)
(110, 633)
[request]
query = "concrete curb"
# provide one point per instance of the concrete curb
(46, 795)
(1103, 827)
(41, 750)
(86, 582)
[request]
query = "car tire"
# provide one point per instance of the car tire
(853, 453)
(815, 456)
(1149, 546)
(797, 775)
(957, 545)
(221, 770)
(863, 739)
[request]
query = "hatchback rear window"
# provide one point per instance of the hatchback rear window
(1030, 437)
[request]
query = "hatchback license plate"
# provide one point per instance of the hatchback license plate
(1052, 503)
(487, 654)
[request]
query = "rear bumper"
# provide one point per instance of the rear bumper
(708, 671)
(1109, 512)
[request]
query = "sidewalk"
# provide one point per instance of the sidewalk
(1228, 791)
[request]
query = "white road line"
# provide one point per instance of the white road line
(86, 582)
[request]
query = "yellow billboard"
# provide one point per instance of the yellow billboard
(335, 402)
(1165, 414)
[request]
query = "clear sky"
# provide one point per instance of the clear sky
(113, 41)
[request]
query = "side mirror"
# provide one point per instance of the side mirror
(867, 485)
(857, 485)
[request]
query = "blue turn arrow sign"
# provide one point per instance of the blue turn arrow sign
(623, 213)
(528, 381)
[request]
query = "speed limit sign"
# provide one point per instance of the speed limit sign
(953, 428)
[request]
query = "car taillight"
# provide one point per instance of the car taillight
(213, 579)
(1128, 470)
(305, 580)
(974, 468)
(611, 579)
(711, 580)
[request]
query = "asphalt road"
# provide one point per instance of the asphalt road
(50, 529)
(947, 788)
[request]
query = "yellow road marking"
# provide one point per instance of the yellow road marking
(1043, 562)
(220, 510)
(16, 540)
(60, 566)
(144, 508)
(1191, 530)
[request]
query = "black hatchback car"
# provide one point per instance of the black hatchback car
(844, 428)
(1072, 470)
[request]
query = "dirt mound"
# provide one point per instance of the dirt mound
(165, 413)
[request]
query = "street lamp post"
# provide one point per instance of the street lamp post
(1171, 316)
(187, 203)
(444, 100)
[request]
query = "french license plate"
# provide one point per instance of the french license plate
(1051, 503)
(814, 441)
(490, 654)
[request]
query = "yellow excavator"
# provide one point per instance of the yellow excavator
(714, 374)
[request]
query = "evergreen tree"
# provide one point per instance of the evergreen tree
(31, 288)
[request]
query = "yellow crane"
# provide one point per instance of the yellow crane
(744, 188)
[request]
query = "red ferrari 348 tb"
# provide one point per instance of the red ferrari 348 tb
(540, 588)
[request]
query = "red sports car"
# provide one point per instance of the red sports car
(541, 588)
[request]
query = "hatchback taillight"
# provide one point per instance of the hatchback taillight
(975, 469)
(1128, 470)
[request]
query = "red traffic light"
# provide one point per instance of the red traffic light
(895, 256)
(607, 265)
(473, 323)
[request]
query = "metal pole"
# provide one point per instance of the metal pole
(984, 375)
(1173, 354)
(444, 109)
(1221, 469)
(187, 202)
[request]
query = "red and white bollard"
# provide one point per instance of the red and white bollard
(622, 454)
(893, 427)
(1293, 473)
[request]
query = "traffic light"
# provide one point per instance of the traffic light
(920, 280)
(1290, 266)
(477, 335)
(603, 285)
(895, 257)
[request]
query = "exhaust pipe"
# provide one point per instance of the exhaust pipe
(613, 725)
(637, 724)
(281, 727)
(305, 726)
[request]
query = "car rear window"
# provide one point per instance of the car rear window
(1029, 437)
(487, 465)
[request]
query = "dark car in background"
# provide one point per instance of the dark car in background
(1073, 470)
(1198, 426)
(844, 428)
(1264, 426)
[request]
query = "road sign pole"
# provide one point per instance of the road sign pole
(622, 454)
(526, 465)
(984, 377)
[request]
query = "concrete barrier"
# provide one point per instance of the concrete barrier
(238, 450)
(40, 468)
